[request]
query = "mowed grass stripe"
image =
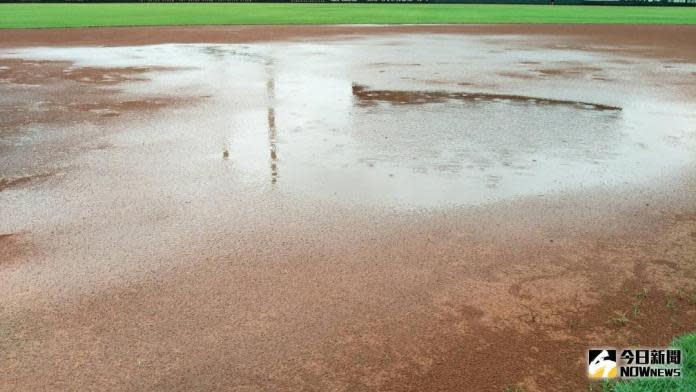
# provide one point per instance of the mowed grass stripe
(102, 15)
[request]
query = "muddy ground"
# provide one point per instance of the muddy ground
(449, 208)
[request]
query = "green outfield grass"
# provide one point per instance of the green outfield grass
(84, 15)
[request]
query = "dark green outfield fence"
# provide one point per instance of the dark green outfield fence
(671, 3)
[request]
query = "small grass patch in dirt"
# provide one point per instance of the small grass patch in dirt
(640, 297)
(619, 319)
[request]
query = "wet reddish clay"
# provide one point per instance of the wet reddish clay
(149, 259)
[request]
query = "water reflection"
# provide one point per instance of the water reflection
(272, 131)
(367, 141)
(423, 123)
(424, 133)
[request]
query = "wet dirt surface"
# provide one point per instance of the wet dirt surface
(355, 209)
(422, 97)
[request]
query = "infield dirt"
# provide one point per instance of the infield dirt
(451, 208)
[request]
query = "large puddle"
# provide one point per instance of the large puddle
(418, 121)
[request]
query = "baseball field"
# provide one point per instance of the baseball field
(356, 198)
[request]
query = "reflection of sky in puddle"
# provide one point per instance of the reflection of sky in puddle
(293, 122)
(448, 152)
